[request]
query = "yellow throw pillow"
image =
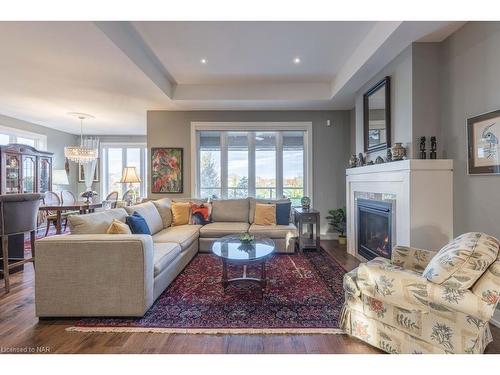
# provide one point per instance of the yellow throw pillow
(180, 213)
(265, 214)
(118, 227)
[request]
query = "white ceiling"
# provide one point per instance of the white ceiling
(252, 51)
(116, 71)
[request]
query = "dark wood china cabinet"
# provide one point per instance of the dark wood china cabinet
(24, 169)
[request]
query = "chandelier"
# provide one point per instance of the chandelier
(87, 151)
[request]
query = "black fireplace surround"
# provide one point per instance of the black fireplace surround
(374, 228)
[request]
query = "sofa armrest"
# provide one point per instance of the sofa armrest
(409, 290)
(411, 258)
(94, 275)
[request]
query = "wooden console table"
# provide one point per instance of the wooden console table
(311, 219)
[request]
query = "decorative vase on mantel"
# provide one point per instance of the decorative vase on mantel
(398, 151)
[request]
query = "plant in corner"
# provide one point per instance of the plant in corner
(337, 219)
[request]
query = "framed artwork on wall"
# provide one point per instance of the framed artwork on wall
(81, 173)
(167, 170)
(483, 135)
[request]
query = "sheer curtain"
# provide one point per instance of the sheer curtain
(89, 168)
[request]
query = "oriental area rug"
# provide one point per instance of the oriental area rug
(304, 294)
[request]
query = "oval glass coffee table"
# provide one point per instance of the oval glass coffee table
(234, 251)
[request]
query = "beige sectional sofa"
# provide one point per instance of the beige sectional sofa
(91, 273)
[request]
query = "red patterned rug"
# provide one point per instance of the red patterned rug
(304, 295)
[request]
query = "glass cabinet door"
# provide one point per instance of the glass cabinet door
(29, 174)
(12, 174)
(44, 175)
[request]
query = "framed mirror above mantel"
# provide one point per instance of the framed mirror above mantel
(377, 116)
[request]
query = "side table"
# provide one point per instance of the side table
(311, 220)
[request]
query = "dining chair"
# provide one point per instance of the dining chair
(129, 196)
(111, 199)
(51, 199)
(68, 198)
(18, 215)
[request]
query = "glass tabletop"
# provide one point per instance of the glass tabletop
(232, 248)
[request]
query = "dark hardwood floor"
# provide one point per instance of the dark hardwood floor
(21, 331)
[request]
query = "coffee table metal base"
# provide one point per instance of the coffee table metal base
(262, 281)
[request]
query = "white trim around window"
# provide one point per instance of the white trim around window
(103, 156)
(306, 127)
(15, 136)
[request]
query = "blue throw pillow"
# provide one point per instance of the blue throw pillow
(283, 213)
(137, 224)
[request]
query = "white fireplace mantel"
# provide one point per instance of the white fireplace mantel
(422, 191)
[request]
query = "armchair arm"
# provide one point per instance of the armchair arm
(94, 275)
(409, 290)
(411, 258)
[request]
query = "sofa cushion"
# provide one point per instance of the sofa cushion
(118, 227)
(96, 223)
(184, 235)
(221, 229)
(137, 224)
(164, 207)
(283, 213)
(461, 263)
(253, 201)
(230, 210)
(274, 231)
(150, 213)
(164, 254)
(180, 213)
(265, 214)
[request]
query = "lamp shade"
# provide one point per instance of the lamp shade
(59, 177)
(129, 175)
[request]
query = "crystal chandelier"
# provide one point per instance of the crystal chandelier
(87, 151)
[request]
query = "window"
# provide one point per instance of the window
(237, 163)
(115, 157)
(12, 135)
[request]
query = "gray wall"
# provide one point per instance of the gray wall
(435, 88)
(400, 71)
(56, 140)
(425, 94)
(330, 145)
(470, 81)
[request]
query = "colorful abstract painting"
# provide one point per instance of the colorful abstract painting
(166, 170)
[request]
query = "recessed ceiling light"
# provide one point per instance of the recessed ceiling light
(203, 61)
(296, 60)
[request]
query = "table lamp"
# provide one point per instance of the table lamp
(59, 177)
(129, 176)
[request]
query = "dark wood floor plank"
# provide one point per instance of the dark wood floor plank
(20, 328)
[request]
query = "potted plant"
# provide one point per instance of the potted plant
(337, 219)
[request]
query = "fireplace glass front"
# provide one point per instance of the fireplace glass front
(374, 228)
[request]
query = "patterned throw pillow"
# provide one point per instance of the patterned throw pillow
(265, 214)
(462, 262)
(118, 227)
(180, 213)
(200, 213)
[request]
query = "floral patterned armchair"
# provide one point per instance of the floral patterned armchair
(426, 302)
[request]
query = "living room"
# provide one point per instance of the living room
(269, 186)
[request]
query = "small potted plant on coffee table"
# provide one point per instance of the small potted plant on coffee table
(337, 219)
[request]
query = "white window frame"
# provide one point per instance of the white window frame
(14, 134)
(103, 157)
(306, 127)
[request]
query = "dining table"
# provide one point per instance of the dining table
(82, 207)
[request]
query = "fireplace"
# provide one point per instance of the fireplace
(374, 223)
